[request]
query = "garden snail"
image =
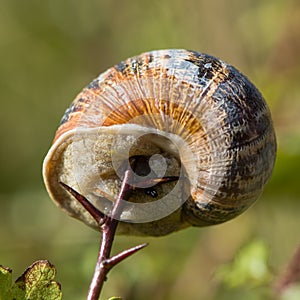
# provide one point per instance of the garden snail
(181, 113)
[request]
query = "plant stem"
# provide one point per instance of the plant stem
(108, 232)
(108, 225)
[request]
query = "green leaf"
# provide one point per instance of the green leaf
(37, 282)
(115, 298)
(250, 267)
(5, 282)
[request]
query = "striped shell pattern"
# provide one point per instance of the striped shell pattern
(187, 114)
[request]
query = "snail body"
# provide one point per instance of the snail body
(186, 114)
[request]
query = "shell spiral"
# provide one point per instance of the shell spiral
(189, 115)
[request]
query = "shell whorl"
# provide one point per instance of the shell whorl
(202, 115)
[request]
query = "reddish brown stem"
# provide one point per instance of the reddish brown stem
(108, 226)
(108, 232)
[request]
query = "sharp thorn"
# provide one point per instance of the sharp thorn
(114, 260)
(155, 181)
(94, 212)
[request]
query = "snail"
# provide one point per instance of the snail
(177, 113)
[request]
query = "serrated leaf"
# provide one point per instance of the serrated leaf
(5, 282)
(37, 282)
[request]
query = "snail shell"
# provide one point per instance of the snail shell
(187, 114)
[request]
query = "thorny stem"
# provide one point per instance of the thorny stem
(108, 226)
(108, 232)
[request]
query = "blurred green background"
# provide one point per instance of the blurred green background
(51, 49)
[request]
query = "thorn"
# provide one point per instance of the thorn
(94, 212)
(155, 181)
(114, 260)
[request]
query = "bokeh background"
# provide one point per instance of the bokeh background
(51, 49)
